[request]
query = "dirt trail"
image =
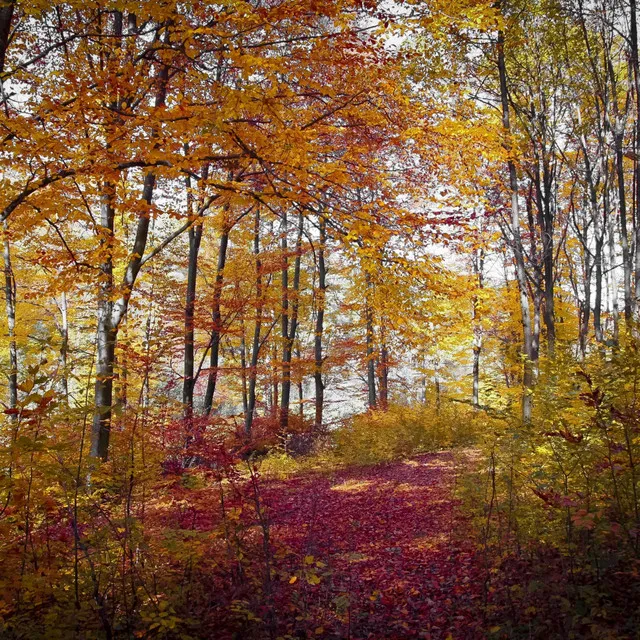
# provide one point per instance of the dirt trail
(380, 552)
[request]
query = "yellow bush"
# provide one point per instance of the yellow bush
(279, 465)
(377, 436)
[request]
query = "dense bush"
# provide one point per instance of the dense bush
(378, 436)
(565, 488)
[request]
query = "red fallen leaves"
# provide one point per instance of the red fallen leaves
(364, 553)
(375, 553)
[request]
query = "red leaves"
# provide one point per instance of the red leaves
(387, 536)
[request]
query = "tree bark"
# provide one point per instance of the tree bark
(383, 378)
(478, 268)
(300, 385)
(597, 303)
(6, 15)
(319, 328)
(106, 332)
(216, 317)
(615, 312)
(528, 376)
(64, 347)
(255, 348)
(243, 369)
(624, 235)
(10, 306)
(289, 334)
(110, 313)
(545, 224)
(586, 302)
(195, 238)
(635, 64)
(371, 365)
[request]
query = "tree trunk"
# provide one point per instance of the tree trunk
(106, 344)
(478, 268)
(371, 364)
(384, 377)
(195, 238)
(289, 335)
(586, 305)
(300, 385)
(6, 15)
(243, 369)
(624, 236)
(110, 313)
(615, 312)
(216, 317)
(548, 258)
(319, 328)
(10, 305)
(64, 347)
(106, 333)
(597, 303)
(635, 64)
(255, 349)
(528, 377)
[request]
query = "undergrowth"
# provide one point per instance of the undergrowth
(555, 504)
(382, 436)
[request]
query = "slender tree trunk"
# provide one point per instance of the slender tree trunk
(549, 264)
(300, 385)
(478, 267)
(371, 364)
(317, 344)
(528, 377)
(292, 322)
(243, 370)
(284, 320)
(195, 238)
(615, 311)
(275, 381)
(597, 303)
(6, 15)
(64, 347)
(545, 224)
(598, 258)
(384, 377)
(106, 333)
(10, 306)
(216, 317)
(538, 298)
(635, 64)
(624, 236)
(110, 312)
(255, 349)
(586, 304)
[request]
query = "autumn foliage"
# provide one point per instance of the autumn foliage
(321, 319)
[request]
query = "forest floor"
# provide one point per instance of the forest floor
(376, 552)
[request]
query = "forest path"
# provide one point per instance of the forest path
(377, 552)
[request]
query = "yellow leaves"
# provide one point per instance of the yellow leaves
(313, 579)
